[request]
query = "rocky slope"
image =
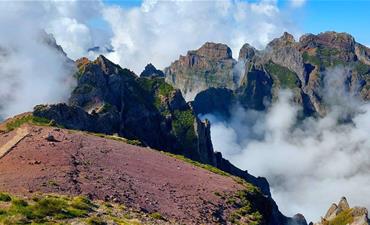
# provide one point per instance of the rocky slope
(342, 214)
(106, 168)
(302, 66)
(112, 100)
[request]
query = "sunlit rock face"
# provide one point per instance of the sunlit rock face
(258, 75)
(341, 213)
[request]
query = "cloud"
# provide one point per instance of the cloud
(159, 31)
(297, 3)
(309, 163)
(73, 36)
(31, 71)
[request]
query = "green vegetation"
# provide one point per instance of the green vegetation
(96, 221)
(156, 215)
(56, 209)
(324, 57)
(117, 138)
(183, 127)
(4, 197)
(246, 213)
(43, 209)
(156, 91)
(19, 121)
(198, 164)
(285, 77)
(343, 218)
(311, 59)
(362, 69)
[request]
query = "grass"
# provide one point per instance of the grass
(343, 218)
(198, 164)
(17, 122)
(44, 209)
(285, 77)
(117, 138)
(324, 57)
(156, 215)
(4, 197)
(183, 128)
(58, 209)
(246, 213)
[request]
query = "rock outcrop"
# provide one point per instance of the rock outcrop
(151, 71)
(209, 66)
(301, 66)
(341, 213)
(112, 100)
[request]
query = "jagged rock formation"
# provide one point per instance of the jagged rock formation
(209, 66)
(285, 63)
(151, 71)
(109, 99)
(342, 214)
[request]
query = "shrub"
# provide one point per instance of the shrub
(95, 221)
(156, 216)
(5, 197)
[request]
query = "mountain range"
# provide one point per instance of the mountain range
(150, 134)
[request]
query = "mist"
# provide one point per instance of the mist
(311, 163)
(32, 70)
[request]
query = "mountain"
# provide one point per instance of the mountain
(135, 141)
(341, 213)
(38, 159)
(112, 100)
(301, 66)
(209, 66)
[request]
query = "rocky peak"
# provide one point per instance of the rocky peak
(329, 39)
(151, 71)
(343, 204)
(107, 66)
(50, 40)
(285, 40)
(247, 52)
(214, 51)
(209, 66)
(342, 213)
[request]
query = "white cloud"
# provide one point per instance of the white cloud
(309, 164)
(74, 37)
(31, 72)
(297, 3)
(159, 31)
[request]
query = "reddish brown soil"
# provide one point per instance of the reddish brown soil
(114, 171)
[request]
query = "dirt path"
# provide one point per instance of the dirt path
(20, 134)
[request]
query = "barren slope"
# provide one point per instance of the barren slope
(79, 163)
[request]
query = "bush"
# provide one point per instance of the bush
(5, 197)
(156, 216)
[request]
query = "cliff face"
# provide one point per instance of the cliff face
(284, 64)
(112, 100)
(209, 66)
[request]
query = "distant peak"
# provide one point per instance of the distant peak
(107, 66)
(247, 52)
(285, 39)
(215, 51)
(151, 71)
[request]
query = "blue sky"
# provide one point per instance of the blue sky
(316, 16)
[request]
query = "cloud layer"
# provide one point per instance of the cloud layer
(159, 31)
(311, 163)
(31, 71)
